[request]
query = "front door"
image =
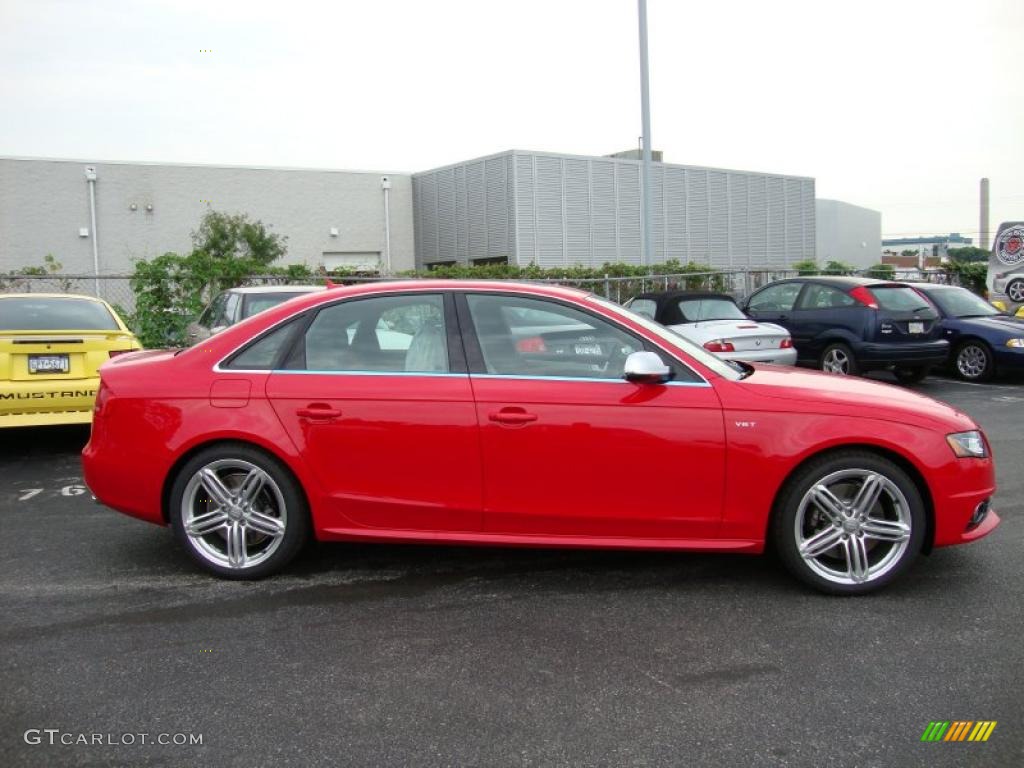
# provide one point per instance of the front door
(572, 449)
(376, 398)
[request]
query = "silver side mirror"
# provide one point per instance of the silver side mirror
(646, 368)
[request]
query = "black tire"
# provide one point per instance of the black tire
(899, 505)
(275, 523)
(973, 361)
(838, 358)
(911, 374)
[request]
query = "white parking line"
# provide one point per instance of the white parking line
(982, 386)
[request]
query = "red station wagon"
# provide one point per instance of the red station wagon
(522, 415)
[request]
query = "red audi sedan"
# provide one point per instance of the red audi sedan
(521, 415)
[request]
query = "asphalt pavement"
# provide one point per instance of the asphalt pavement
(371, 655)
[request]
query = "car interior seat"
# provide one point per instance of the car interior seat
(428, 350)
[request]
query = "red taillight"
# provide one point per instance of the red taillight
(864, 296)
(532, 344)
(116, 352)
(786, 343)
(101, 397)
(719, 345)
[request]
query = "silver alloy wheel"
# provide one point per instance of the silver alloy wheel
(1015, 290)
(972, 361)
(836, 360)
(852, 526)
(233, 513)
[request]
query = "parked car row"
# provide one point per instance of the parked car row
(849, 325)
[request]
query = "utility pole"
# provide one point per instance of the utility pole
(645, 120)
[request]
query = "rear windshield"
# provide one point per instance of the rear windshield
(257, 302)
(54, 314)
(696, 310)
(899, 298)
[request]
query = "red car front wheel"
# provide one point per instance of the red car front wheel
(849, 523)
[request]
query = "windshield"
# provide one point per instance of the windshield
(701, 355)
(55, 314)
(697, 310)
(960, 302)
(257, 302)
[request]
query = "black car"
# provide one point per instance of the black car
(982, 339)
(853, 324)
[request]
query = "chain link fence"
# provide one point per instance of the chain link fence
(117, 289)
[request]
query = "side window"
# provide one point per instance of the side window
(264, 352)
(530, 337)
(819, 296)
(646, 307)
(387, 334)
(777, 298)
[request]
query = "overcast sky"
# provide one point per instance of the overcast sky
(899, 105)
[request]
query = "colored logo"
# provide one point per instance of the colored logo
(1010, 246)
(958, 730)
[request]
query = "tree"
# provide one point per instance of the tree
(910, 252)
(172, 289)
(970, 274)
(882, 271)
(968, 254)
(806, 267)
(234, 236)
(839, 268)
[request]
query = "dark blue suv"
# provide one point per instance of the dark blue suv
(854, 324)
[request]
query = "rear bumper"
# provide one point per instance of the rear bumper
(920, 353)
(775, 356)
(45, 418)
(47, 401)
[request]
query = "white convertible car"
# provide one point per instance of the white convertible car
(715, 322)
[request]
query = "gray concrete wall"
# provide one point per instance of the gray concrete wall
(43, 203)
(848, 233)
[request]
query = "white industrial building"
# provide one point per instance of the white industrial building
(520, 207)
(128, 211)
(561, 210)
(847, 233)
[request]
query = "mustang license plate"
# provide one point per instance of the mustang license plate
(916, 327)
(48, 364)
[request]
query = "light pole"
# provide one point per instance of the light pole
(645, 120)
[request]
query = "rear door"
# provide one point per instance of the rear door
(376, 398)
(903, 315)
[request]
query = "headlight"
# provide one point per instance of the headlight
(1016, 343)
(968, 445)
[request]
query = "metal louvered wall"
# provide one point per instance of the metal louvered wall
(564, 210)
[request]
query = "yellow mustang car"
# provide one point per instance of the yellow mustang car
(51, 348)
